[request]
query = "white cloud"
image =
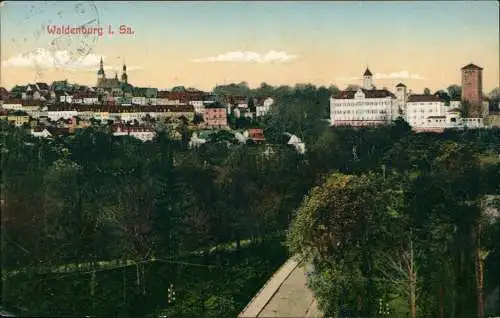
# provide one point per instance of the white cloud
(42, 58)
(395, 75)
(398, 75)
(248, 56)
(45, 59)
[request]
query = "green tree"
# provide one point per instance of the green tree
(334, 230)
(455, 92)
(352, 87)
(443, 95)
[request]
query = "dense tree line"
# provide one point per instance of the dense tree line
(411, 234)
(74, 203)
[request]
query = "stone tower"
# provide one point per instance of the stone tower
(472, 88)
(472, 83)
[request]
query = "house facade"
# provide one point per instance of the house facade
(366, 106)
(420, 107)
(215, 117)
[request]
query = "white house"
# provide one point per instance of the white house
(196, 141)
(91, 100)
(66, 98)
(242, 112)
(297, 143)
(41, 133)
(12, 104)
(199, 106)
(141, 133)
(139, 100)
(55, 114)
(131, 116)
(264, 108)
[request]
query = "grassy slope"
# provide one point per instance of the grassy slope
(220, 290)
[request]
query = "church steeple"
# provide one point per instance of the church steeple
(124, 74)
(100, 73)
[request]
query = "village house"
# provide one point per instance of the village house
(215, 117)
(263, 107)
(86, 98)
(420, 107)
(64, 97)
(31, 93)
(256, 135)
(41, 132)
(12, 104)
(18, 119)
(141, 133)
(56, 112)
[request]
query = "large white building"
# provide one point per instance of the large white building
(420, 107)
(430, 113)
(366, 106)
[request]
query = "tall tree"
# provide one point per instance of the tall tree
(455, 91)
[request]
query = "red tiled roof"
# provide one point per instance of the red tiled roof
(255, 131)
(256, 134)
(185, 96)
(121, 109)
(424, 98)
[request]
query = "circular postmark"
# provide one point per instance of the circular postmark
(63, 33)
(80, 31)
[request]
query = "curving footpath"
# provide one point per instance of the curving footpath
(285, 294)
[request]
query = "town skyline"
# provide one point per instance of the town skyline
(322, 43)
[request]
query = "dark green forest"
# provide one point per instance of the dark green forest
(94, 224)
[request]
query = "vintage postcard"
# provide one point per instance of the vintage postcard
(227, 159)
